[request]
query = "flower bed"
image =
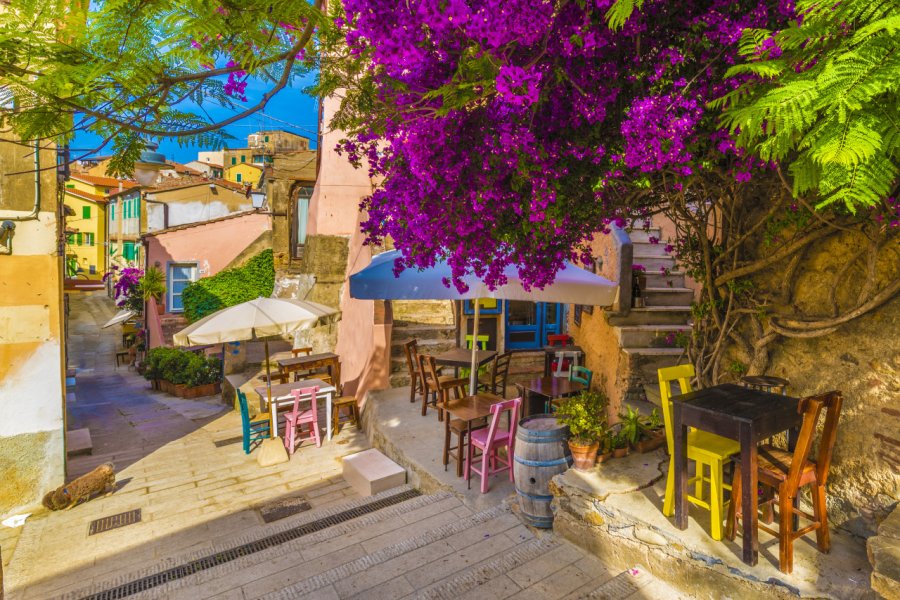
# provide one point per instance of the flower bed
(182, 373)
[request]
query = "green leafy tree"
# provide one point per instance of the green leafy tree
(821, 96)
(131, 71)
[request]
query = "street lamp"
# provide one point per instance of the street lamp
(148, 166)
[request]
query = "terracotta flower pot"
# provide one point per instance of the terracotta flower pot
(584, 457)
(602, 458)
(620, 452)
(657, 439)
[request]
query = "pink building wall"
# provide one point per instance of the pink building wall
(213, 245)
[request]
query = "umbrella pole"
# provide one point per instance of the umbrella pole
(473, 373)
(269, 388)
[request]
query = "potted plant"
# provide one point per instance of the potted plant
(619, 445)
(152, 285)
(653, 433)
(605, 451)
(585, 415)
(630, 425)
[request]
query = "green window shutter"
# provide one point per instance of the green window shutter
(112, 249)
(128, 251)
(243, 158)
(267, 138)
(234, 160)
(70, 238)
(112, 212)
(88, 239)
(77, 239)
(85, 212)
(238, 177)
(136, 206)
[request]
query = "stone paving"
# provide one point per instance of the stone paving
(199, 503)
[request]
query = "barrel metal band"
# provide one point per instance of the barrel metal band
(541, 463)
(534, 496)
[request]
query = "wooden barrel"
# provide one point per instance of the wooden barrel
(541, 452)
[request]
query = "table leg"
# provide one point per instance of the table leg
(793, 434)
(547, 359)
(446, 457)
(680, 448)
(328, 397)
(748, 495)
(468, 450)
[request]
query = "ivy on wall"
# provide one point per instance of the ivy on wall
(230, 287)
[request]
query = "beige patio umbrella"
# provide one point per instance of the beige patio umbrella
(254, 320)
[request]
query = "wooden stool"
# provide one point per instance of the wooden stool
(353, 416)
(121, 357)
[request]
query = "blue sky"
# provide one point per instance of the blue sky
(290, 109)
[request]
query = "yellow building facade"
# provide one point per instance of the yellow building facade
(243, 173)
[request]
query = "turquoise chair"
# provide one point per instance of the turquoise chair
(254, 432)
(482, 345)
(581, 375)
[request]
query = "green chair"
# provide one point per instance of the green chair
(254, 432)
(581, 375)
(708, 450)
(482, 345)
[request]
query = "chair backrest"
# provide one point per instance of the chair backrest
(500, 368)
(581, 375)
(810, 408)
(559, 339)
(298, 351)
(682, 374)
(482, 341)
(245, 410)
(497, 410)
(832, 402)
(303, 394)
(412, 353)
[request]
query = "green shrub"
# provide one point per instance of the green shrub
(230, 287)
(585, 414)
(182, 367)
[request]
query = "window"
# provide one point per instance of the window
(238, 177)
(301, 220)
(234, 160)
(243, 158)
(77, 239)
(128, 250)
(92, 269)
(179, 276)
(112, 212)
(85, 212)
(88, 239)
(267, 138)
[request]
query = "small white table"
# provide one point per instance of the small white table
(281, 396)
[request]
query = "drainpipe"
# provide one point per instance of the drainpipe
(33, 215)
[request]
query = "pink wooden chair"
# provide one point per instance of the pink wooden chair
(294, 419)
(490, 440)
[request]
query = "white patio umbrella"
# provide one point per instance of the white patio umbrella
(121, 317)
(572, 285)
(255, 319)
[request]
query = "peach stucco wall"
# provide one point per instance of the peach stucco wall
(212, 245)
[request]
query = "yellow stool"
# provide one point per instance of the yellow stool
(708, 450)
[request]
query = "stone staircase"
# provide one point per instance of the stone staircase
(397, 544)
(647, 334)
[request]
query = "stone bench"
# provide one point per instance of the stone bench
(370, 472)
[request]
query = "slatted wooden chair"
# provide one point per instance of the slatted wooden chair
(253, 432)
(457, 388)
(431, 383)
(344, 403)
(786, 472)
(495, 381)
(411, 348)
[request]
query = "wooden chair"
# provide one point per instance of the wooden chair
(412, 361)
(345, 402)
(297, 417)
(490, 440)
(787, 472)
(482, 345)
(298, 375)
(495, 383)
(708, 450)
(459, 389)
(431, 383)
(582, 375)
(562, 362)
(253, 432)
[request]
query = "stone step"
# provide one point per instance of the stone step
(403, 332)
(639, 235)
(648, 249)
(667, 296)
(418, 556)
(645, 362)
(653, 263)
(370, 472)
(657, 279)
(654, 315)
(652, 336)
(325, 547)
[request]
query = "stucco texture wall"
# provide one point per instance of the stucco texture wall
(193, 204)
(32, 454)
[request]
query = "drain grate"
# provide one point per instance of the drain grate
(228, 441)
(282, 508)
(220, 558)
(115, 521)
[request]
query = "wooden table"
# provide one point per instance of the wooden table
(742, 414)
(550, 352)
(548, 387)
(313, 361)
(462, 357)
(281, 396)
(468, 409)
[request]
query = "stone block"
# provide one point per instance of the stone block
(78, 441)
(370, 472)
(884, 554)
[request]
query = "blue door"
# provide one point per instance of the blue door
(179, 276)
(529, 323)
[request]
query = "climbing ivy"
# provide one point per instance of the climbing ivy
(230, 287)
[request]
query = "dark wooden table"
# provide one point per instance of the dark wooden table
(281, 396)
(462, 357)
(742, 414)
(550, 352)
(313, 361)
(547, 388)
(468, 409)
